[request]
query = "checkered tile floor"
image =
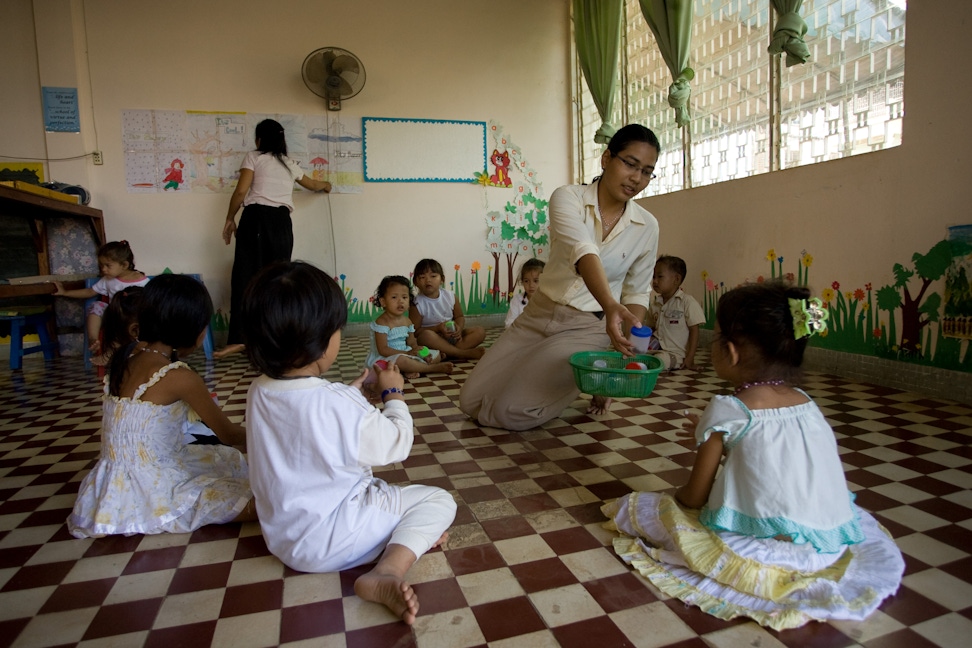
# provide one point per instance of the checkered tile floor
(527, 563)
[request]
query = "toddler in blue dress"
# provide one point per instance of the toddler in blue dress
(393, 334)
(774, 535)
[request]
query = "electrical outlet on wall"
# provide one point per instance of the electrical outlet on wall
(96, 158)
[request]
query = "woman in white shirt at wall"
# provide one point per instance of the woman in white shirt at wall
(265, 233)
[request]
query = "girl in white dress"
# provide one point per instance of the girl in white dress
(775, 535)
(393, 334)
(147, 480)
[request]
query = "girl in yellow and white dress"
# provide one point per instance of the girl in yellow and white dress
(774, 535)
(147, 480)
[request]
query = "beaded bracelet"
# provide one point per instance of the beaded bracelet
(391, 390)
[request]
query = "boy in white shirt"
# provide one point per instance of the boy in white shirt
(674, 315)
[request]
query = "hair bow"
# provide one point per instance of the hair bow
(809, 316)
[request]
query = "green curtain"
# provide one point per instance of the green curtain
(597, 32)
(789, 32)
(671, 23)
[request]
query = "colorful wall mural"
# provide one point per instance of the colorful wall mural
(514, 233)
(906, 320)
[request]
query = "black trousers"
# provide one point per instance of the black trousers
(265, 234)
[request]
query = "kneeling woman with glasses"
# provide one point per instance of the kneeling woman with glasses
(595, 288)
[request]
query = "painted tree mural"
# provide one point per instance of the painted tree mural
(522, 226)
(905, 320)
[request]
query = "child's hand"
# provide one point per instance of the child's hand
(390, 378)
(58, 288)
(688, 428)
(359, 382)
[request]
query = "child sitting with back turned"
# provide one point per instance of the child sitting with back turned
(674, 315)
(530, 280)
(393, 335)
(147, 480)
(438, 317)
(117, 265)
(312, 444)
(778, 538)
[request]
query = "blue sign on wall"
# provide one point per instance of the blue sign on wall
(61, 110)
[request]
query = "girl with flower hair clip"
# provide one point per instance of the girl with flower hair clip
(774, 535)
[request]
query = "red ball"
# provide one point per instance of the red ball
(636, 365)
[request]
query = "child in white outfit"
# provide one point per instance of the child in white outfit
(312, 444)
(529, 279)
(774, 534)
(674, 315)
(117, 265)
(438, 317)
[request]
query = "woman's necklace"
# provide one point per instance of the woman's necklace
(604, 225)
(145, 348)
(759, 383)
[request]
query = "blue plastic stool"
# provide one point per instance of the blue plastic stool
(18, 325)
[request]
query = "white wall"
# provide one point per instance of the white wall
(506, 60)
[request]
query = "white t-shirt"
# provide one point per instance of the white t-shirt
(108, 286)
(627, 255)
(672, 320)
(311, 445)
(273, 183)
(438, 310)
(517, 304)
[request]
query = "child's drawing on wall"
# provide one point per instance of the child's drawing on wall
(502, 163)
(319, 168)
(173, 175)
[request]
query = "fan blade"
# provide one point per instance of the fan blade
(314, 71)
(345, 63)
(327, 57)
(337, 87)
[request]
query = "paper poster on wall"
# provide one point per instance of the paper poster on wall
(61, 110)
(422, 150)
(201, 151)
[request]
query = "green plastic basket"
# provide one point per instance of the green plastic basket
(613, 380)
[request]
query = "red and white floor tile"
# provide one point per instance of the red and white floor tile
(527, 563)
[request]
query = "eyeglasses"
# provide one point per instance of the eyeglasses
(633, 167)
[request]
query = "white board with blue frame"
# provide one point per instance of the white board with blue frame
(422, 150)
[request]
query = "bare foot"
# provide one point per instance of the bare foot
(228, 350)
(442, 367)
(599, 405)
(391, 591)
(441, 541)
(412, 375)
(100, 360)
(473, 354)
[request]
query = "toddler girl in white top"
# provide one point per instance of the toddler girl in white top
(530, 280)
(117, 265)
(313, 442)
(778, 537)
(393, 335)
(438, 317)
